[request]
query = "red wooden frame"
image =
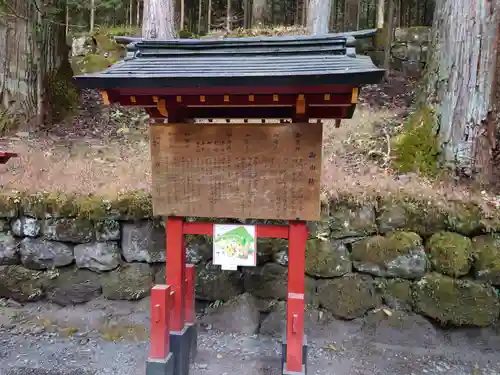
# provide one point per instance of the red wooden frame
(181, 279)
(160, 330)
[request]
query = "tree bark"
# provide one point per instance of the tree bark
(459, 83)
(389, 37)
(158, 20)
(318, 16)
(228, 16)
(35, 89)
(199, 16)
(259, 12)
(209, 16)
(380, 14)
(92, 15)
(138, 13)
(182, 11)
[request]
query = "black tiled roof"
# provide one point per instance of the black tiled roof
(267, 61)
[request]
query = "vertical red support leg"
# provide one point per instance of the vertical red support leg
(160, 331)
(180, 345)
(297, 238)
(190, 313)
(175, 269)
(160, 359)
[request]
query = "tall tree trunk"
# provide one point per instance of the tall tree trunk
(380, 14)
(199, 16)
(131, 14)
(66, 19)
(246, 20)
(92, 15)
(259, 12)
(158, 20)
(209, 16)
(389, 38)
(182, 11)
(36, 89)
(138, 13)
(459, 85)
(318, 16)
(228, 16)
(305, 5)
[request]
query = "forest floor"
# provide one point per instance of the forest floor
(105, 150)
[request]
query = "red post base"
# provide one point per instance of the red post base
(178, 296)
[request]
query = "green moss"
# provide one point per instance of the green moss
(416, 148)
(456, 302)
(464, 218)
(412, 214)
(486, 251)
(450, 253)
(10, 204)
(397, 293)
(185, 34)
(379, 249)
(91, 63)
(62, 96)
(133, 205)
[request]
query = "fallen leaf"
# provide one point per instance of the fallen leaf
(387, 312)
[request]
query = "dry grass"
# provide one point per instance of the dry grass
(98, 154)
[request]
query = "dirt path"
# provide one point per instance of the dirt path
(43, 339)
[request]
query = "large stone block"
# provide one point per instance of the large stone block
(348, 297)
(456, 302)
(352, 220)
(21, 284)
(9, 253)
(107, 230)
(271, 281)
(98, 256)
(450, 253)
(40, 254)
(325, 258)
(143, 241)
(213, 284)
(129, 282)
(68, 230)
(26, 226)
(238, 315)
(486, 250)
(72, 286)
(399, 254)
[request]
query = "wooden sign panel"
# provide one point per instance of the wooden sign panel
(258, 171)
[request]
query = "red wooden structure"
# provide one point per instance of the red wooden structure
(293, 79)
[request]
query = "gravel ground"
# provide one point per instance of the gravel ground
(105, 337)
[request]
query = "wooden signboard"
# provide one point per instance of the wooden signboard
(259, 171)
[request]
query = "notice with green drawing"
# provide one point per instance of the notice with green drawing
(234, 245)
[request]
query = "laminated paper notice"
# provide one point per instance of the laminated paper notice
(258, 171)
(234, 245)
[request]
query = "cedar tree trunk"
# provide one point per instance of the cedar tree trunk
(460, 83)
(35, 74)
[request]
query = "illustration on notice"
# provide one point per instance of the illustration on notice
(234, 245)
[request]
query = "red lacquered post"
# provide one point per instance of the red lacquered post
(189, 294)
(160, 330)
(296, 288)
(176, 264)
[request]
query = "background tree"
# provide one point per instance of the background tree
(318, 16)
(456, 115)
(36, 75)
(158, 20)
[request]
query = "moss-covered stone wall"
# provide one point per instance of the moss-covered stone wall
(408, 51)
(442, 261)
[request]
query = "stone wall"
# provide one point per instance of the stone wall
(440, 261)
(409, 49)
